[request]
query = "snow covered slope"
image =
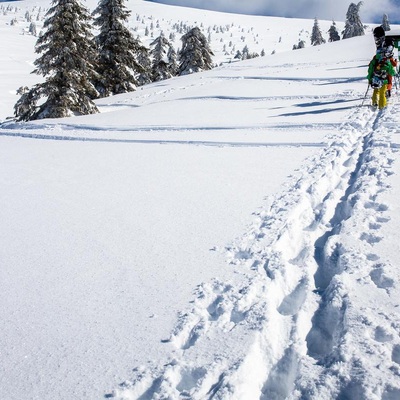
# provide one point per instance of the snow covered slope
(229, 235)
(227, 33)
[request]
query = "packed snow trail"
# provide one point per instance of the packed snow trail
(283, 329)
(355, 331)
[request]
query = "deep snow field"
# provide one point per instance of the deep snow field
(231, 234)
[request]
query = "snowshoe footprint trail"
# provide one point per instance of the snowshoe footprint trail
(335, 326)
(290, 307)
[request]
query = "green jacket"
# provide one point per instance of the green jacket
(379, 65)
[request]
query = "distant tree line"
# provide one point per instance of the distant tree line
(78, 67)
(353, 27)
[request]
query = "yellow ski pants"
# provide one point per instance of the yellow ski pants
(379, 97)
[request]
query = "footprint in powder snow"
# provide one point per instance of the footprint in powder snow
(221, 301)
(370, 238)
(396, 354)
(391, 161)
(195, 333)
(211, 304)
(189, 377)
(372, 257)
(374, 226)
(216, 308)
(376, 206)
(382, 335)
(380, 279)
(292, 303)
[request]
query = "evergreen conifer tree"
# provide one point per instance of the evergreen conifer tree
(316, 35)
(26, 107)
(353, 26)
(238, 55)
(143, 59)
(66, 63)
(300, 45)
(195, 55)
(32, 29)
(245, 53)
(160, 49)
(172, 61)
(333, 33)
(118, 49)
(385, 23)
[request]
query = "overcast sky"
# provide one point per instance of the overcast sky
(370, 11)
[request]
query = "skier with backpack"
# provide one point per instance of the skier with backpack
(379, 70)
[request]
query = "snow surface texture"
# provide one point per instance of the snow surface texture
(227, 235)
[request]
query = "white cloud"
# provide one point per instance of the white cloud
(370, 11)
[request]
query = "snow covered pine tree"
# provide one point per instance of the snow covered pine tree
(66, 63)
(195, 55)
(160, 49)
(385, 23)
(333, 33)
(316, 35)
(143, 58)
(353, 26)
(172, 61)
(118, 50)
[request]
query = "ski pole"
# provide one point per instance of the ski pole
(365, 96)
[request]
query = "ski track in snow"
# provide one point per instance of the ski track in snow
(292, 301)
(173, 142)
